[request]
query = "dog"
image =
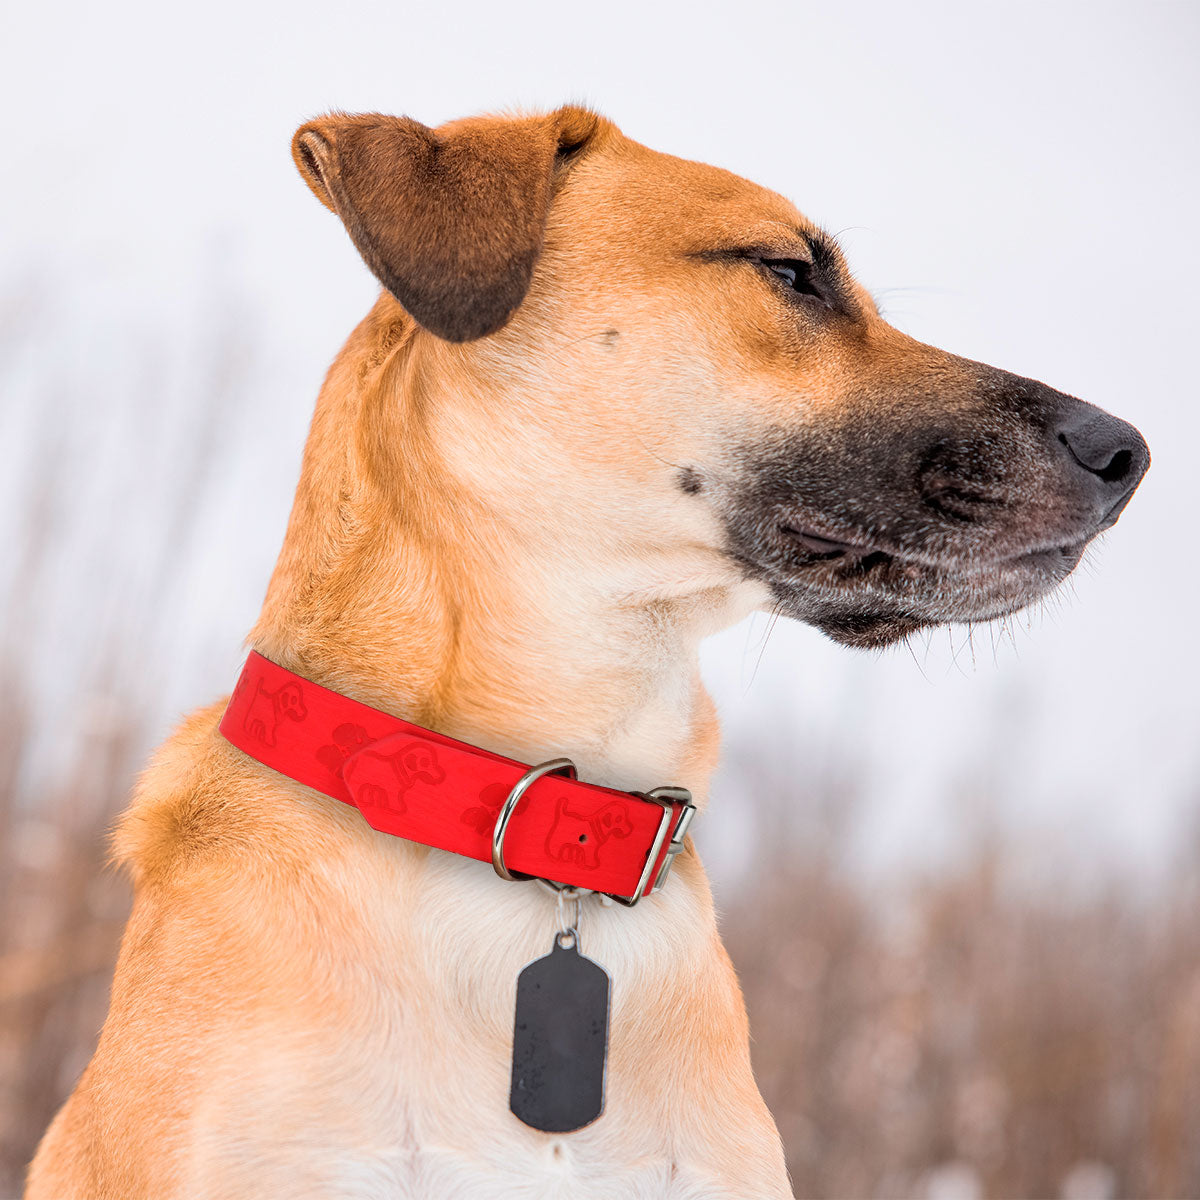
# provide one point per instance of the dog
(607, 403)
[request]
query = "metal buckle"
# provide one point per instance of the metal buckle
(665, 797)
(554, 766)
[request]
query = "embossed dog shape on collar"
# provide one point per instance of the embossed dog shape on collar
(381, 780)
(268, 709)
(577, 837)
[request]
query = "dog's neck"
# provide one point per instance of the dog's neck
(399, 587)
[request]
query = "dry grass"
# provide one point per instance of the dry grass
(962, 1041)
(958, 1040)
(61, 915)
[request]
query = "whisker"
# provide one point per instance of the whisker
(776, 613)
(913, 655)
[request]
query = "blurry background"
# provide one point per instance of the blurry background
(960, 879)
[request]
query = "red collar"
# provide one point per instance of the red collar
(415, 784)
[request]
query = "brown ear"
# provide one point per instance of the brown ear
(451, 220)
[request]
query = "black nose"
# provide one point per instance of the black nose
(1111, 451)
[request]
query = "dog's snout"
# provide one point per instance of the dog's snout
(957, 479)
(1111, 452)
(1030, 448)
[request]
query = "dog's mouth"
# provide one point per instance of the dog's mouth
(865, 557)
(862, 591)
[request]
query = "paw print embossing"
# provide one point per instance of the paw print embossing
(483, 816)
(346, 740)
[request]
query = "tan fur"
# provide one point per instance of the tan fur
(489, 539)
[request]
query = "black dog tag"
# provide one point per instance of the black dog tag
(560, 1039)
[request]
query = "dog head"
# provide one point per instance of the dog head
(660, 364)
(289, 702)
(418, 762)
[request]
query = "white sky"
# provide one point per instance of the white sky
(1017, 182)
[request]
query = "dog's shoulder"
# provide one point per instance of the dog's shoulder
(201, 803)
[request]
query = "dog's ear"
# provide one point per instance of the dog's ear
(451, 220)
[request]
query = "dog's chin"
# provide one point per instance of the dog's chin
(871, 598)
(869, 630)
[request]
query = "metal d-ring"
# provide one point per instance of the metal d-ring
(554, 766)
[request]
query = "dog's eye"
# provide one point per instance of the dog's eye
(796, 273)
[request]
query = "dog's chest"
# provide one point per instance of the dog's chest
(392, 1079)
(436, 1173)
(358, 1123)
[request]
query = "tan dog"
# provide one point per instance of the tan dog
(609, 403)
